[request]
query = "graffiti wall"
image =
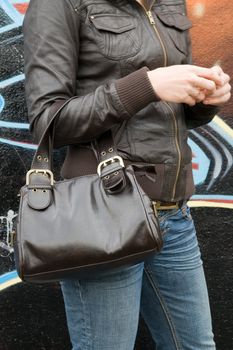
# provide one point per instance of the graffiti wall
(24, 323)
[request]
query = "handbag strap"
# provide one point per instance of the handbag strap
(43, 156)
(110, 167)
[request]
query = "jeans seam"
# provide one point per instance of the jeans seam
(87, 334)
(167, 315)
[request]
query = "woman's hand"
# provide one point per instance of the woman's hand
(188, 84)
(222, 93)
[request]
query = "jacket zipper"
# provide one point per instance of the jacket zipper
(178, 150)
(152, 22)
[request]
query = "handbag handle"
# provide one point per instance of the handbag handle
(43, 156)
(110, 167)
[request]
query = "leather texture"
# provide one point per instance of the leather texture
(71, 228)
(82, 51)
(83, 229)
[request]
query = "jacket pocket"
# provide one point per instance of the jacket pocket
(177, 25)
(116, 35)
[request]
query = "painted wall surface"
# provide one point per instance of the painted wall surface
(24, 324)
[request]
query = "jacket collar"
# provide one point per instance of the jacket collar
(148, 3)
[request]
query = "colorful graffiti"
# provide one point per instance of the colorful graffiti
(211, 145)
(15, 145)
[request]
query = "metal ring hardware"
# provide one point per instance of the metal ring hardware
(108, 161)
(46, 172)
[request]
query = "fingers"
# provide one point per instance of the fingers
(224, 77)
(190, 84)
(217, 100)
(217, 69)
(203, 83)
(197, 94)
(211, 91)
(221, 91)
(220, 96)
(189, 100)
(209, 73)
(215, 74)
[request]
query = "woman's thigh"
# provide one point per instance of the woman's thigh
(175, 301)
(102, 312)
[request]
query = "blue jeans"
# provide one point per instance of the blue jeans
(169, 290)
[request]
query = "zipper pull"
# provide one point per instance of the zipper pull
(151, 18)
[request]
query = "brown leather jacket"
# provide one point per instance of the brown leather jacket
(100, 51)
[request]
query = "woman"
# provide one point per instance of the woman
(129, 64)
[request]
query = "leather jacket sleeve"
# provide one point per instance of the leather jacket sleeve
(199, 114)
(51, 52)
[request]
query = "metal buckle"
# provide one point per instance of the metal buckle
(157, 206)
(111, 160)
(46, 172)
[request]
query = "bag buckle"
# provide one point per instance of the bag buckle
(108, 161)
(45, 172)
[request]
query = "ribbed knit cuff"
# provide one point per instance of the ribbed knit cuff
(201, 110)
(135, 91)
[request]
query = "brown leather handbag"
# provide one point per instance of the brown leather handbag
(73, 227)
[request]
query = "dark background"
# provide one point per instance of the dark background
(32, 317)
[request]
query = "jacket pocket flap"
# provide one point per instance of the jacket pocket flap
(177, 20)
(112, 23)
